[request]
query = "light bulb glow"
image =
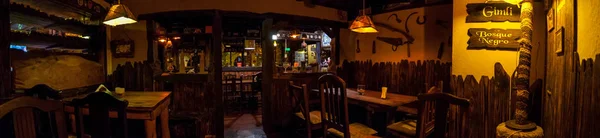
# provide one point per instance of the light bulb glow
(119, 21)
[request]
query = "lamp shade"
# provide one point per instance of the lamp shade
(119, 14)
(363, 24)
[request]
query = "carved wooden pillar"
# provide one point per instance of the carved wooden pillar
(6, 79)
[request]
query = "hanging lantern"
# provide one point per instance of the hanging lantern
(363, 23)
(119, 14)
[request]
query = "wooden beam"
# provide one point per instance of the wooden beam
(6, 79)
(268, 69)
(216, 74)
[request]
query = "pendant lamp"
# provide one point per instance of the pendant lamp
(363, 23)
(119, 14)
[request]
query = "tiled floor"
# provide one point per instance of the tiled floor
(245, 126)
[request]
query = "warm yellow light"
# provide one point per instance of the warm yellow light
(119, 21)
(162, 39)
(363, 24)
(119, 14)
(275, 43)
(176, 37)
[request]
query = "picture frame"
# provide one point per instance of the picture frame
(550, 20)
(560, 40)
(122, 48)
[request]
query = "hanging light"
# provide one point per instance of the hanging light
(119, 14)
(363, 23)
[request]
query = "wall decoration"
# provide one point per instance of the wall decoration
(550, 20)
(560, 40)
(398, 41)
(494, 12)
(481, 38)
(122, 48)
(374, 48)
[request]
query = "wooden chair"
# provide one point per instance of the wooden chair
(43, 125)
(99, 105)
(23, 116)
(232, 94)
(334, 110)
(432, 116)
(300, 99)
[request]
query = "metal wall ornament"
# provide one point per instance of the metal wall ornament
(399, 41)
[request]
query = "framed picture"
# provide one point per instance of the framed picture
(550, 20)
(122, 48)
(560, 40)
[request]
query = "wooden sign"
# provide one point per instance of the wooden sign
(481, 38)
(122, 48)
(494, 12)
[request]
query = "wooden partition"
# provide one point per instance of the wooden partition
(404, 77)
(489, 102)
(586, 95)
(137, 76)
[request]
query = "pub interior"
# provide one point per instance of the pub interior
(299, 68)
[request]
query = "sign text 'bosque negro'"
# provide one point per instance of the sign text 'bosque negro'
(494, 12)
(481, 38)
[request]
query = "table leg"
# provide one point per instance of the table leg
(73, 126)
(164, 124)
(150, 128)
(390, 117)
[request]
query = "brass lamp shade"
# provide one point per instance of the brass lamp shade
(363, 24)
(119, 14)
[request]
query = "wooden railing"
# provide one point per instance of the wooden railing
(404, 77)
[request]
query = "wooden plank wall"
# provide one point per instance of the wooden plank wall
(587, 95)
(137, 76)
(404, 77)
(489, 102)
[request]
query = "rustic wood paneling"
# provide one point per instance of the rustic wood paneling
(560, 111)
(489, 102)
(404, 77)
(137, 76)
(587, 95)
(216, 108)
(5, 74)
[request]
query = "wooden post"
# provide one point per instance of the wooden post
(337, 48)
(268, 70)
(6, 80)
(523, 71)
(150, 38)
(216, 74)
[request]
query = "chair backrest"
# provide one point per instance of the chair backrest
(433, 111)
(99, 105)
(300, 99)
(43, 91)
(42, 120)
(22, 109)
(334, 104)
(232, 82)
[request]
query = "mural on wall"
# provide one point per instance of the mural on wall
(405, 34)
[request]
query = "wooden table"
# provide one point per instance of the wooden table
(371, 100)
(147, 106)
